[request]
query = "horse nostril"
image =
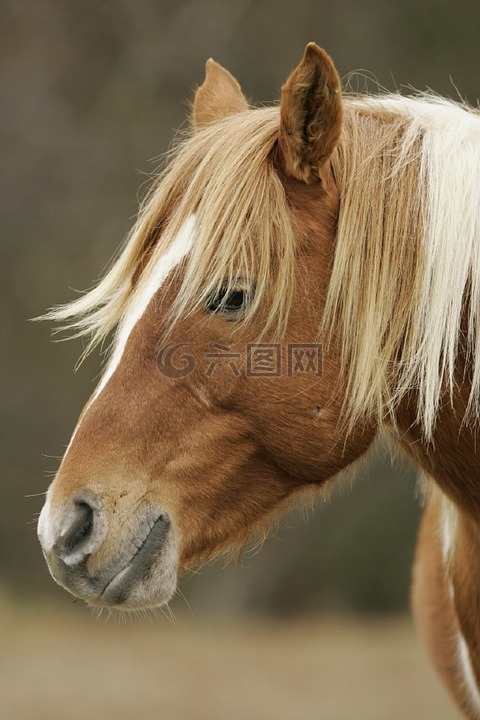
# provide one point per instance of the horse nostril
(78, 530)
(81, 527)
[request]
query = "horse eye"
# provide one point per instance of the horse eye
(228, 301)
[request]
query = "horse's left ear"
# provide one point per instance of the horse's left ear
(219, 96)
(310, 115)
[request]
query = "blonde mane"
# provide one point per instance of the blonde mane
(407, 254)
(406, 276)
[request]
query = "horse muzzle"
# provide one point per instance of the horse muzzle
(129, 565)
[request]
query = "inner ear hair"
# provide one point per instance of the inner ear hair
(310, 115)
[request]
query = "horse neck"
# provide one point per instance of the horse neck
(451, 458)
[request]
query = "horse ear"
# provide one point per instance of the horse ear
(219, 96)
(310, 115)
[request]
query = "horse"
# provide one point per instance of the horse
(301, 279)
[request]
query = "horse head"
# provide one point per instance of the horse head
(220, 401)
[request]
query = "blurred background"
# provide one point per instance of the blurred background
(91, 95)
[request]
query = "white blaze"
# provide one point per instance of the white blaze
(47, 526)
(174, 255)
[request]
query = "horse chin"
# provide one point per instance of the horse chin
(146, 594)
(134, 587)
(143, 584)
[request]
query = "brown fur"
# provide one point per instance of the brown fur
(221, 414)
(432, 606)
(452, 463)
(221, 452)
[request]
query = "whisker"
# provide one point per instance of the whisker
(184, 598)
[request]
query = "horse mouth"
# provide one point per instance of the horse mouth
(141, 566)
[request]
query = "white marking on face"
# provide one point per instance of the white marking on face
(179, 248)
(174, 255)
(45, 527)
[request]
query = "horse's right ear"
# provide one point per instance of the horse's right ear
(219, 96)
(310, 115)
